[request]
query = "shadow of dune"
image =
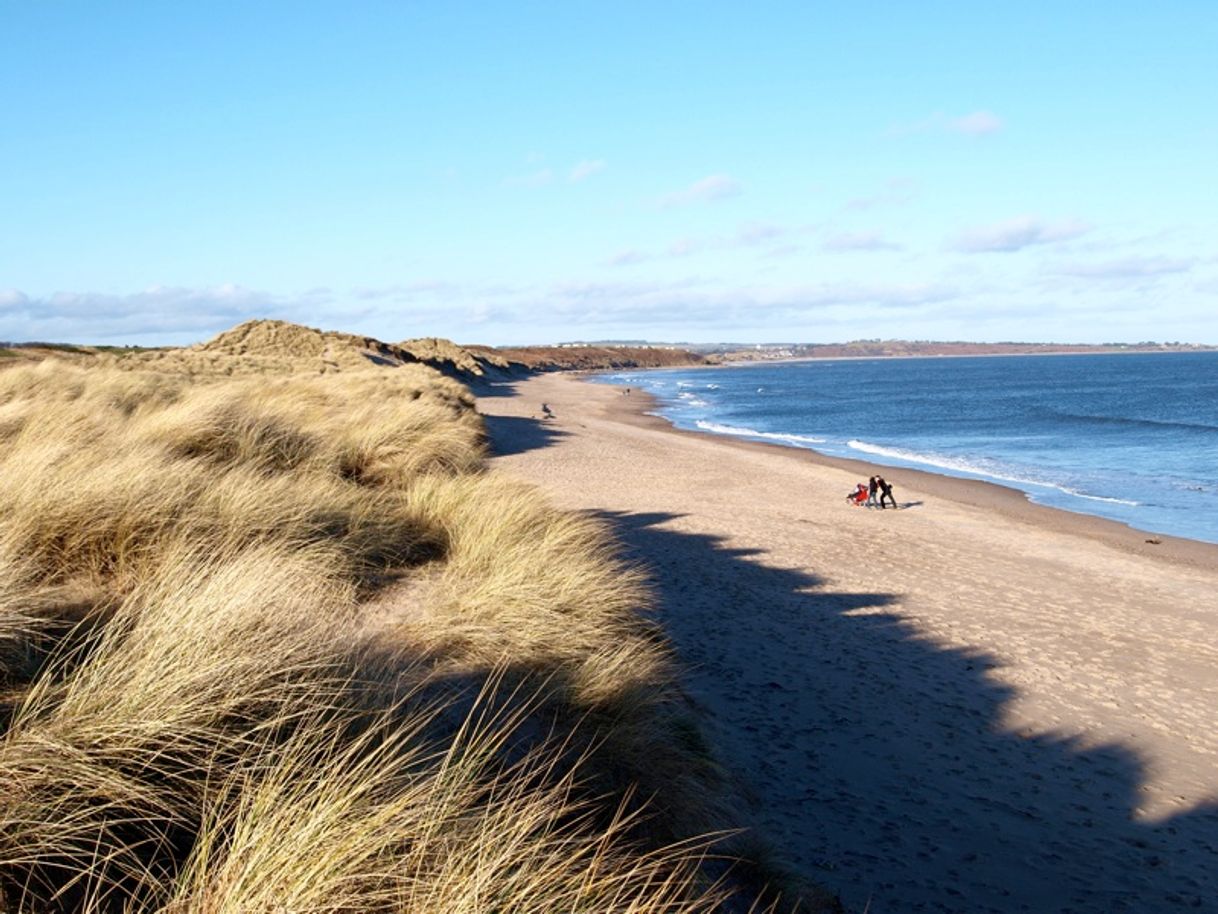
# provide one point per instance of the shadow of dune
(878, 761)
(496, 387)
(518, 434)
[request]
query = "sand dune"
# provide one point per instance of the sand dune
(972, 704)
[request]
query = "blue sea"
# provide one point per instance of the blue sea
(1131, 437)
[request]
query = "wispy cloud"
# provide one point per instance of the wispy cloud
(582, 171)
(1125, 268)
(895, 192)
(1016, 234)
(705, 190)
(979, 123)
(542, 175)
(406, 291)
(975, 123)
(883, 295)
(749, 235)
(683, 247)
(159, 313)
(628, 257)
(761, 232)
(13, 300)
(858, 241)
(710, 304)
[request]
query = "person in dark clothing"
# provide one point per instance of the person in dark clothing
(872, 486)
(886, 492)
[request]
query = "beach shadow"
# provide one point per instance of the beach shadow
(495, 387)
(879, 760)
(518, 434)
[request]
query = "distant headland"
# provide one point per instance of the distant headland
(477, 360)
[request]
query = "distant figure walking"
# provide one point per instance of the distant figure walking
(886, 491)
(872, 486)
(546, 412)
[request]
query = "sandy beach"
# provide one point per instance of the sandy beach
(969, 704)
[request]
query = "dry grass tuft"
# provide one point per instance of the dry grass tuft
(272, 639)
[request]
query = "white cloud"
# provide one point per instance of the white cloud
(748, 235)
(895, 192)
(712, 187)
(627, 257)
(858, 241)
(12, 300)
(760, 233)
(979, 123)
(1125, 268)
(406, 291)
(683, 247)
(710, 304)
(545, 175)
(585, 169)
(157, 314)
(976, 123)
(883, 295)
(1016, 234)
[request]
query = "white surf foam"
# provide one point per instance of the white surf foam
(963, 466)
(753, 433)
(1113, 501)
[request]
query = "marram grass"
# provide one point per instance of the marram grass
(279, 643)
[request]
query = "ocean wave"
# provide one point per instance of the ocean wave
(691, 399)
(1135, 421)
(753, 433)
(1078, 494)
(943, 462)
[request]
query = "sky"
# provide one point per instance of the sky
(512, 173)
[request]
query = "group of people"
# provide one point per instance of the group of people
(865, 492)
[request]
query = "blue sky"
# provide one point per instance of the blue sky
(511, 173)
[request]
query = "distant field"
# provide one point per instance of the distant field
(569, 358)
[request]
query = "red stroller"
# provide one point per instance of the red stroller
(858, 497)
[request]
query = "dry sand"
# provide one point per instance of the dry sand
(970, 704)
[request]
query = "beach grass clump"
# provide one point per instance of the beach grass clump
(395, 821)
(92, 486)
(104, 771)
(280, 642)
(542, 593)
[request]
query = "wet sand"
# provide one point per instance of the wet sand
(969, 704)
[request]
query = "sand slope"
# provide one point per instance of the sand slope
(960, 706)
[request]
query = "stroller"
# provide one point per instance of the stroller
(858, 497)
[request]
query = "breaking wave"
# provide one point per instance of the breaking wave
(959, 465)
(753, 433)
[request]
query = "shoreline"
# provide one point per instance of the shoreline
(1011, 502)
(973, 703)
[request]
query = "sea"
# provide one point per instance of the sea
(1132, 437)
